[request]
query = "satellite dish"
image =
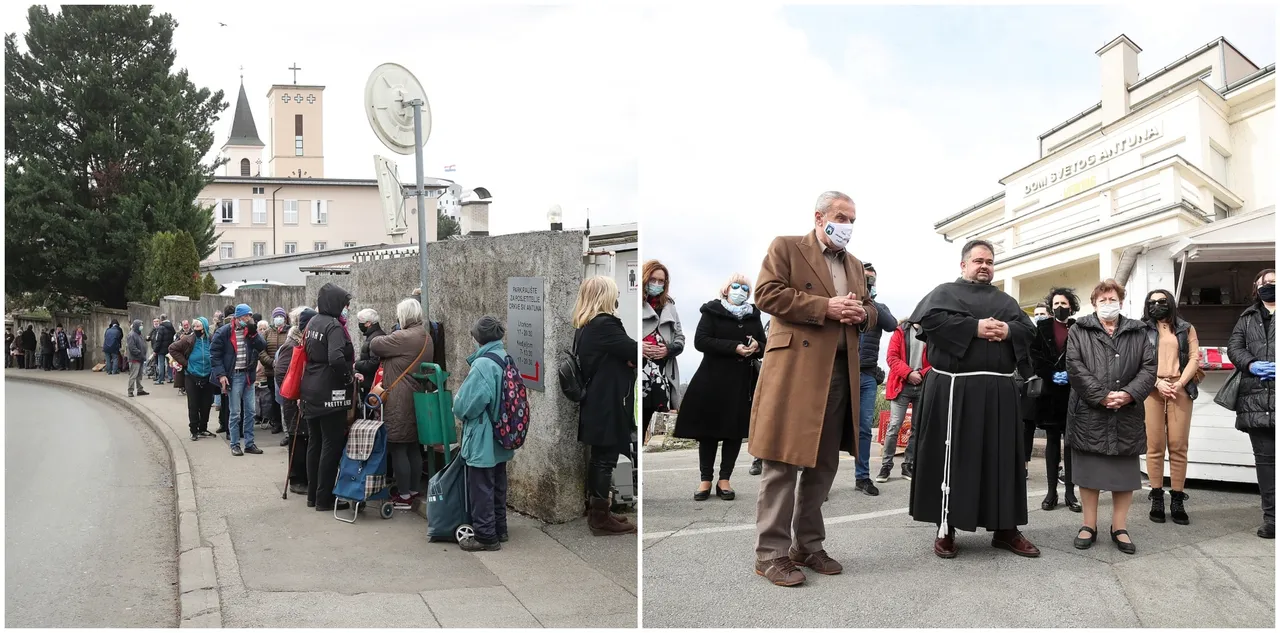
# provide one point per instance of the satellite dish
(386, 95)
(392, 194)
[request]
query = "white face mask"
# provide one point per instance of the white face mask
(278, 321)
(839, 234)
(1108, 311)
(738, 297)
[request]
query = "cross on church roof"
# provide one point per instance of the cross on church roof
(295, 70)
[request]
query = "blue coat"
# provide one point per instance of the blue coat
(223, 350)
(476, 403)
(111, 340)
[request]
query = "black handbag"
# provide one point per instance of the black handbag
(1034, 387)
(1229, 392)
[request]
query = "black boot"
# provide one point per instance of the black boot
(1157, 505)
(1176, 511)
(1050, 500)
(756, 466)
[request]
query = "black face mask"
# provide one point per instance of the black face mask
(1267, 293)
(1061, 313)
(1159, 312)
(364, 329)
(199, 333)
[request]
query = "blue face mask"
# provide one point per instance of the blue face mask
(738, 296)
(654, 289)
(345, 313)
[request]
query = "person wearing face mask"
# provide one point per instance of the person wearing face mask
(235, 349)
(1049, 355)
(716, 408)
(870, 375)
(606, 416)
(192, 353)
(970, 468)
(296, 429)
(136, 344)
(1111, 366)
(663, 339)
(274, 333)
(805, 409)
(1040, 313)
(477, 405)
(1168, 408)
(370, 330)
(1252, 349)
(327, 394)
(401, 353)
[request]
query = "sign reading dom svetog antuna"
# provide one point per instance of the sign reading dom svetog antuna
(525, 331)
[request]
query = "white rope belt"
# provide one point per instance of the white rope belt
(946, 468)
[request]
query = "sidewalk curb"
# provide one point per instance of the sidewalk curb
(196, 570)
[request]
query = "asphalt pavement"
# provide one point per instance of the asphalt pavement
(698, 562)
(89, 511)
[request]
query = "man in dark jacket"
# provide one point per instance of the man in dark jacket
(46, 349)
(327, 393)
(29, 347)
(60, 345)
(235, 348)
(8, 348)
(137, 349)
(869, 383)
(370, 328)
(111, 340)
(161, 338)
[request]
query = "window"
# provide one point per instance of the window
(1217, 165)
(259, 249)
(259, 211)
(290, 211)
(319, 211)
(348, 245)
(297, 135)
(1220, 210)
(244, 167)
(290, 248)
(228, 211)
(227, 250)
(258, 191)
(321, 246)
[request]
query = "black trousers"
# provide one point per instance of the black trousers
(199, 401)
(1264, 457)
(1028, 439)
(600, 467)
(487, 489)
(1053, 453)
(224, 414)
(325, 441)
(707, 457)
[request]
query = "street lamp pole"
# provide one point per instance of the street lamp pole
(422, 208)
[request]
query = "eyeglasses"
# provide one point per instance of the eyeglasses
(1158, 302)
(738, 286)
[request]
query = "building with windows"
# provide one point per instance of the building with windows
(282, 203)
(1168, 182)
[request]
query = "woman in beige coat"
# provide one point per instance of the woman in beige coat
(401, 352)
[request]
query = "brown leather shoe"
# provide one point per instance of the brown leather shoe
(1015, 542)
(817, 561)
(945, 547)
(780, 571)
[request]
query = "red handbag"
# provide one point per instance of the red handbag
(291, 388)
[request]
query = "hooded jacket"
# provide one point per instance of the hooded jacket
(136, 343)
(194, 352)
(476, 405)
(327, 379)
(1097, 364)
(29, 339)
(112, 338)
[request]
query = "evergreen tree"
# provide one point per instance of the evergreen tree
(103, 143)
(210, 286)
(446, 226)
(186, 265)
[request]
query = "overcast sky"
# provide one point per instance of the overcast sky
(916, 112)
(533, 103)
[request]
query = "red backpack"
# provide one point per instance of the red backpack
(511, 424)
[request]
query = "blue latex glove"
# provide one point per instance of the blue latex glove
(1060, 378)
(1260, 369)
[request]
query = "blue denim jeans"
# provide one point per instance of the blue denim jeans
(163, 370)
(866, 412)
(113, 364)
(241, 398)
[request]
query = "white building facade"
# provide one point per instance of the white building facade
(1168, 182)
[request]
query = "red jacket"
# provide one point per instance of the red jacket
(899, 365)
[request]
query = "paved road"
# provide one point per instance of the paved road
(89, 506)
(698, 563)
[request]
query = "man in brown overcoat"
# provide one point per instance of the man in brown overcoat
(804, 413)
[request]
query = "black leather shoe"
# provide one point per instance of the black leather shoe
(1073, 504)
(1128, 548)
(727, 495)
(867, 487)
(702, 495)
(1050, 501)
(286, 441)
(757, 465)
(1267, 532)
(1086, 543)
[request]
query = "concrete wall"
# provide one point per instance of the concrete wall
(262, 300)
(95, 324)
(468, 279)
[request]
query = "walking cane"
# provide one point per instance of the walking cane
(288, 466)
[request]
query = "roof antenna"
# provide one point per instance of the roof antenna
(588, 234)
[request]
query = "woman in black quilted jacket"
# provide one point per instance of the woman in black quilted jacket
(1111, 366)
(1252, 350)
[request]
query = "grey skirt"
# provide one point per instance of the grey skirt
(1117, 473)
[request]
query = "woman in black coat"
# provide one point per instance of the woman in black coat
(606, 419)
(1252, 350)
(1048, 354)
(717, 406)
(1112, 368)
